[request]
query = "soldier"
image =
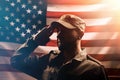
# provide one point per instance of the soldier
(70, 62)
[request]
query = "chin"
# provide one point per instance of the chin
(67, 47)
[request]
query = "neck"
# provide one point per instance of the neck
(72, 52)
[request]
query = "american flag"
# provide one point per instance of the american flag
(21, 19)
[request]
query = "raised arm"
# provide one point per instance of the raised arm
(22, 59)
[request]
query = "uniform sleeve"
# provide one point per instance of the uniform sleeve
(22, 54)
(22, 59)
(103, 74)
(25, 62)
(97, 73)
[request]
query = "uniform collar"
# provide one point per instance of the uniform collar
(81, 56)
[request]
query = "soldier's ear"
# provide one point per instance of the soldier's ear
(80, 33)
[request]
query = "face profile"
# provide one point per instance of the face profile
(66, 39)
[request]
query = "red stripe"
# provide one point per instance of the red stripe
(100, 43)
(111, 71)
(106, 57)
(103, 28)
(7, 67)
(7, 53)
(83, 2)
(93, 43)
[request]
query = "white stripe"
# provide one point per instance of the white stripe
(9, 45)
(46, 49)
(75, 8)
(94, 36)
(100, 35)
(89, 22)
(5, 75)
(111, 64)
(103, 6)
(112, 4)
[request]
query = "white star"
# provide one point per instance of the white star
(28, 21)
(17, 39)
(28, 11)
(12, 4)
(22, 34)
(17, 20)
(6, 9)
(23, 15)
(23, 6)
(40, 2)
(34, 7)
(1, 33)
(12, 14)
(23, 25)
(18, 1)
(17, 9)
(28, 31)
(6, 28)
(39, 12)
(12, 33)
(39, 22)
(6, 18)
(29, 1)
(17, 29)
(8, 38)
(12, 23)
(34, 26)
(33, 16)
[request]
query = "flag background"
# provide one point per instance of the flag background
(21, 19)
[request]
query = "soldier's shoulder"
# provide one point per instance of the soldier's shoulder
(94, 60)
